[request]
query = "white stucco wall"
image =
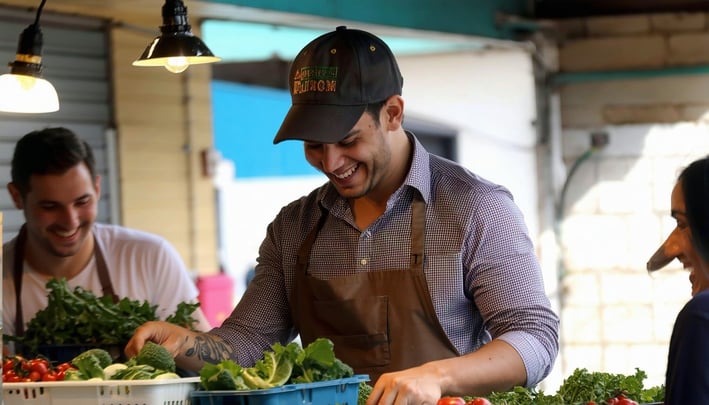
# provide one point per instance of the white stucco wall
(490, 98)
(249, 205)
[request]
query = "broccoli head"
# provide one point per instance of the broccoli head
(225, 375)
(157, 356)
(223, 380)
(92, 362)
(103, 356)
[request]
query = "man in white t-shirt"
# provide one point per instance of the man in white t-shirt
(55, 184)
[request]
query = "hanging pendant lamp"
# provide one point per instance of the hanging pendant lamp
(176, 48)
(23, 90)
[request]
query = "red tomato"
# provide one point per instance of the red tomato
(7, 365)
(10, 376)
(478, 401)
(621, 399)
(34, 376)
(451, 401)
(63, 366)
(50, 376)
(625, 401)
(41, 366)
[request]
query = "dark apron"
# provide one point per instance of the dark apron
(17, 274)
(380, 321)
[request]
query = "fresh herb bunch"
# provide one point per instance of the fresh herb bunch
(363, 393)
(80, 317)
(585, 386)
(183, 315)
(582, 387)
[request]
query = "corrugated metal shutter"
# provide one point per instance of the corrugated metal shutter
(76, 61)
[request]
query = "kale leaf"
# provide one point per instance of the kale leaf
(281, 365)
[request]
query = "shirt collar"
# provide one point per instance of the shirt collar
(419, 176)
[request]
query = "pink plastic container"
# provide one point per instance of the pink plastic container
(216, 295)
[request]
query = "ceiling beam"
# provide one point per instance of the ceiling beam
(465, 17)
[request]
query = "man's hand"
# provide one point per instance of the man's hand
(174, 338)
(494, 367)
(190, 349)
(418, 385)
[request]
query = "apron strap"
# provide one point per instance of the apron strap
(304, 251)
(101, 268)
(17, 278)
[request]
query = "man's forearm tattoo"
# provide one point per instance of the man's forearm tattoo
(210, 349)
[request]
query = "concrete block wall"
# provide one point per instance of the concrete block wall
(616, 316)
(656, 67)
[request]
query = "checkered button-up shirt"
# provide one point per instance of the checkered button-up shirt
(484, 279)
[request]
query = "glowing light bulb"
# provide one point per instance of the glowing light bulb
(27, 94)
(177, 64)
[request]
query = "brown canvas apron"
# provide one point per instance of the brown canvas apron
(379, 321)
(17, 275)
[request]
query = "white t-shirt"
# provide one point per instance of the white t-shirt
(141, 266)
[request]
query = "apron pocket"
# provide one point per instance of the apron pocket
(363, 350)
(358, 329)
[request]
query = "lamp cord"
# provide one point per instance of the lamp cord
(39, 11)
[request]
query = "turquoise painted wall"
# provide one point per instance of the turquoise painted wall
(246, 118)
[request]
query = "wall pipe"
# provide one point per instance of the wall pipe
(583, 77)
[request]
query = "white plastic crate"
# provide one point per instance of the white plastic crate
(109, 392)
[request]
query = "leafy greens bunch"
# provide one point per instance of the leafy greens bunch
(582, 387)
(79, 317)
(288, 364)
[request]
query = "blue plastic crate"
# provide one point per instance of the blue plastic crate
(334, 392)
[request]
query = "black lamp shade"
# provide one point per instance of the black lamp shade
(175, 45)
(176, 48)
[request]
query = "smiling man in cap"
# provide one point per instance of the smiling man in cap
(419, 271)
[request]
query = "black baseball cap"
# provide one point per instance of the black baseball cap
(332, 80)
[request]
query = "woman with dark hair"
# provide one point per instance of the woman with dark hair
(687, 377)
